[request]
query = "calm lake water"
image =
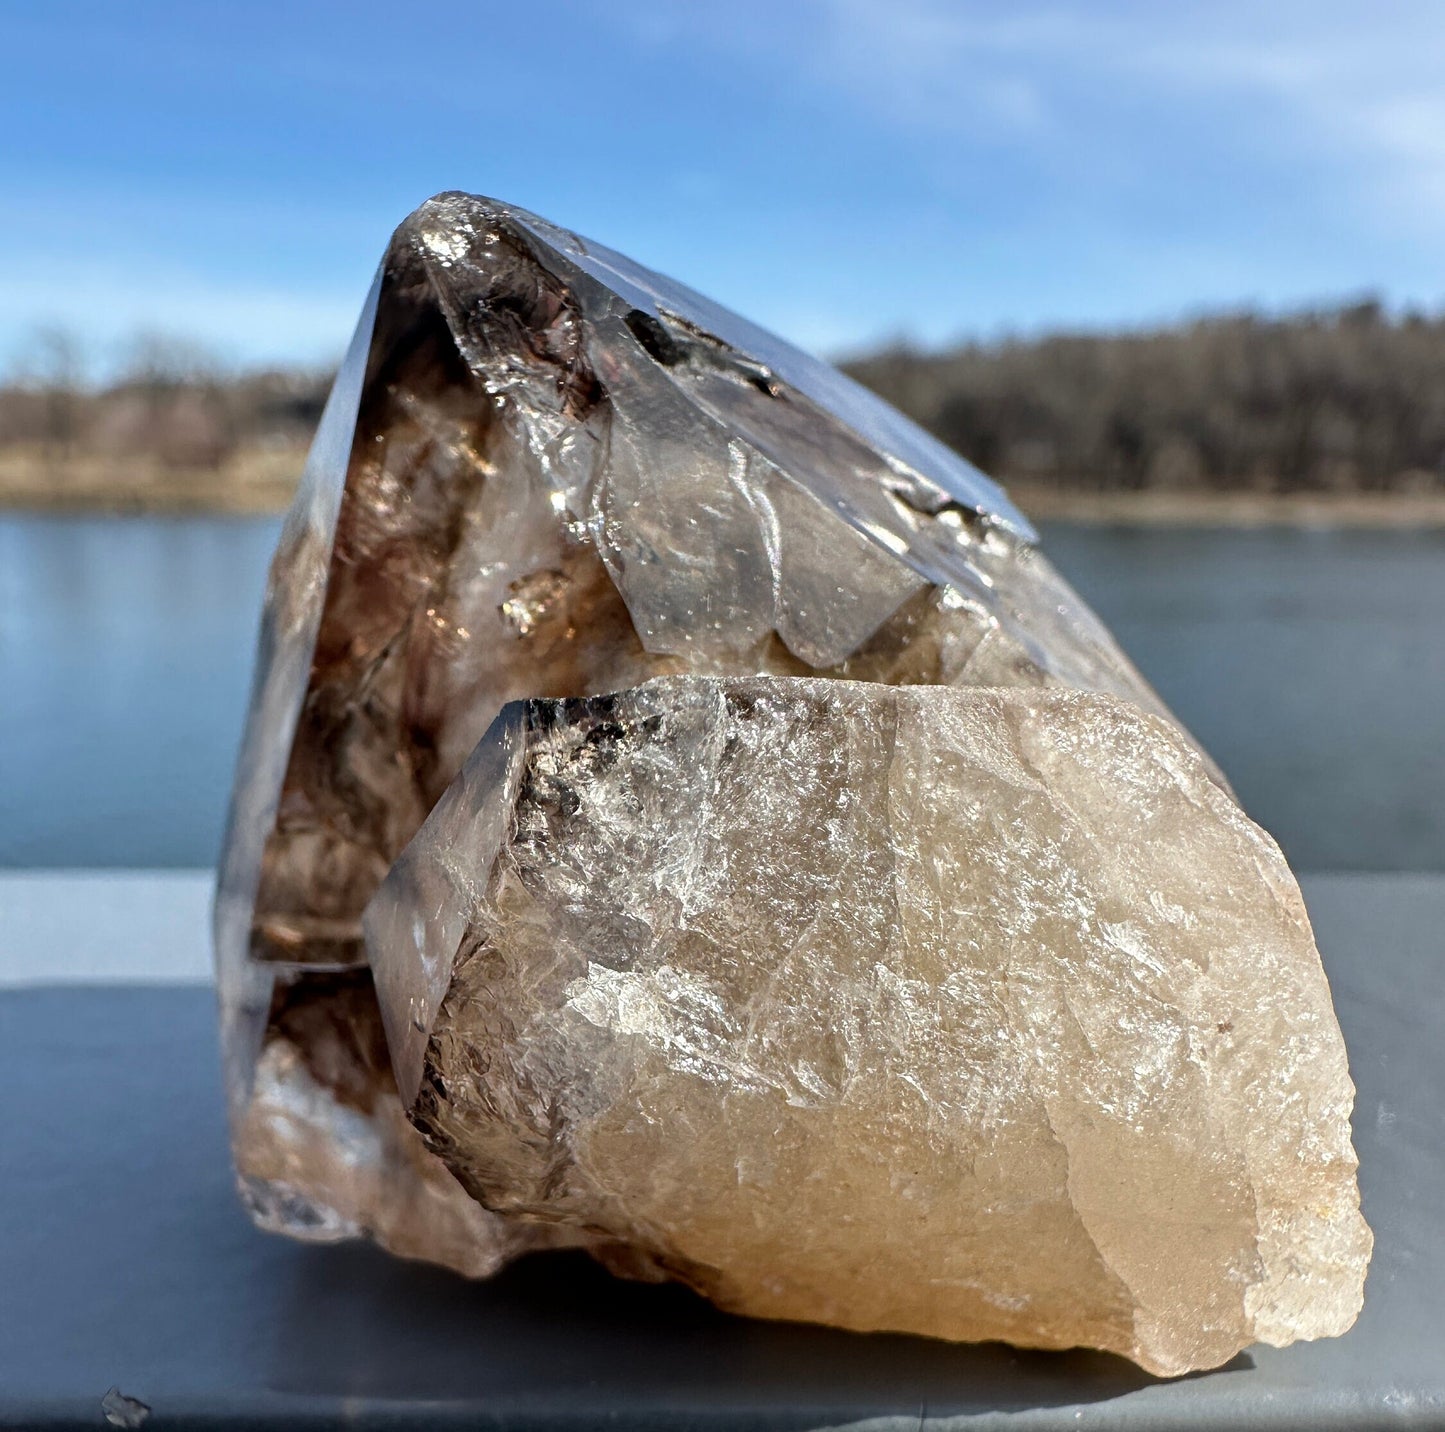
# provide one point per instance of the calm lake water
(1311, 663)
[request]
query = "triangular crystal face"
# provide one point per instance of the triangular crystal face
(546, 472)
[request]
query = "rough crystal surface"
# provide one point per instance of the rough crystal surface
(978, 1013)
(545, 471)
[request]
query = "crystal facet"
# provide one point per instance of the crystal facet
(545, 472)
(890, 1007)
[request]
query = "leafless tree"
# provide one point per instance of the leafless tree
(1345, 399)
(52, 368)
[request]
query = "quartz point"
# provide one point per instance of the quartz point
(885, 1006)
(545, 472)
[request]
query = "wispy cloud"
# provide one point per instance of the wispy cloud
(1353, 88)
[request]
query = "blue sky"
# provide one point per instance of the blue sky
(843, 171)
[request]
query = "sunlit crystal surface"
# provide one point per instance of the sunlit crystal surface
(978, 1013)
(545, 471)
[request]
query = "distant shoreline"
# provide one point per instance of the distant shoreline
(261, 481)
(251, 482)
(1232, 509)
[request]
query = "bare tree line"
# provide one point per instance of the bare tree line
(1348, 399)
(169, 401)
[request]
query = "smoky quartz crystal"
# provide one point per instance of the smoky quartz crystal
(778, 878)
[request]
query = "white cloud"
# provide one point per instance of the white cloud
(1350, 88)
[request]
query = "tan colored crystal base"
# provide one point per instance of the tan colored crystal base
(979, 1014)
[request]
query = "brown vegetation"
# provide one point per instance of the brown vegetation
(1342, 402)
(1339, 413)
(171, 432)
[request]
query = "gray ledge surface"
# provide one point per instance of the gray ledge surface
(126, 1261)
